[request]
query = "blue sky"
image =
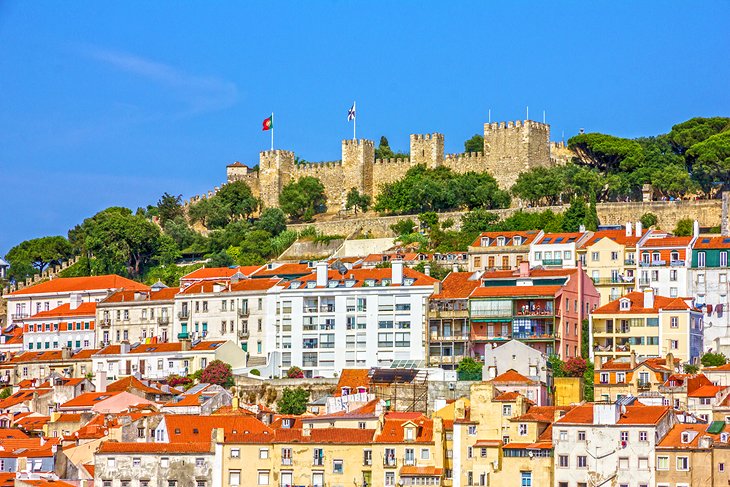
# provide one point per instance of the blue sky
(114, 103)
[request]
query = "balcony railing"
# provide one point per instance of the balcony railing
(390, 462)
(643, 385)
(630, 262)
(184, 314)
(19, 316)
(318, 462)
(242, 313)
(163, 320)
(327, 308)
(644, 282)
(552, 261)
(653, 263)
(183, 336)
(242, 334)
(286, 461)
(105, 322)
(613, 280)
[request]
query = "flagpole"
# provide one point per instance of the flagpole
(272, 130)
(354, 123)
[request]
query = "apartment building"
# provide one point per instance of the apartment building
(541, 307)
(501, 250)
(609, 258)
(241, 311)
(557, 250)
(647, 324)
(693, 454)
(142, 315)
(613, 442)
(40, 363)
(51, 294)
(335, 319)
(157, 361)
(71, 325)
(448, 320)
(218, 274)
(664, 264)
(708, 284)
(632, 376)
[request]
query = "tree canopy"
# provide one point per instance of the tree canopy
(440, 189)
(302, 199)
(33, 256)
(357, 200)
(383, 151)
(293, 401)
(169, 207)
(475, 144)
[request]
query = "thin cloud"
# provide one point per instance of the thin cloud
(200, 93)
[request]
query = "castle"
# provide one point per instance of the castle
(510, 148)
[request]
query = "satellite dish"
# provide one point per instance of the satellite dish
(340, 267)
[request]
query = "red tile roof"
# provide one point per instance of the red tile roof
(637, 305)
(335, 436)
(637, 414)
(188, 428)
(705, 242)
(164, 294)
(527, 236)
(219, 272)
(154, 448)
(618, 236)
(509, 291)
(457, 285)
(393, 429)
(706, 391)
(413, 471)
(511, 376)
(673, 438)
(65, 311)
(283, 270)
(74, 284)
(567, 237)
(377, 274)
(50, 356)
(666, 241)
(160, 347)
(89, 399)
(352, 378)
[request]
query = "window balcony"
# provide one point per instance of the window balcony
(243, 334)
(242, 313)
(184, 314)
(163, 320)
(390, 462)
(183, 336)
(19, 316)
(552, 262)
(105, 322)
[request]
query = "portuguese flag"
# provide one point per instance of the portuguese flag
(268, 123)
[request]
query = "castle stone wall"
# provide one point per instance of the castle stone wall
(707, 212)
(511, 148)
(331, 175)
(427, 149)
(275, 171)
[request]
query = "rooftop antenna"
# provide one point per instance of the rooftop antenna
(490, 115)
(543, 116)
(527, 116)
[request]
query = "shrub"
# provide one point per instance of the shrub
(218, 372)
(295, 373)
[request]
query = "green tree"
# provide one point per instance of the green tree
(691, 368)
(540, 186)
(211, 212)
(475, 144)
(477, 221)
(710, 163)
(117, 241)
(293, 401)
(684, 228)
(302, 199)
(648, 220)
(591, 219)
(556, 364)
(404, 227)
(272, 220)
(575, 216)
(6, 392)
(383, 151)
(33, 256)
(356, 200)
(695, 130)
(169, 207)
(606, 152)
(711, 359)
(469, 369)
(237, 198)
(220, 259)
(588, 385)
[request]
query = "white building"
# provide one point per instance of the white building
(663, 264)
(557, 250)
(157, 361)
(609, 444)
(51, 294)
(69, 325)
(241, 311)
(332, 319)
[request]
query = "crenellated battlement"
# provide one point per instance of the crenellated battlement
(510, 148)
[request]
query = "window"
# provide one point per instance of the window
(111, 462)
(625, 436)
(662, 463)
(642, 436)
(507, 410)
(620, 377)
(700, 263)
(472, 429)
(389, 478)
(623, 463)
(523, 429)
(683, 463)
(595, 256)
(581, 435)
(563, 461)
(337, 466)
(469, 452)
(367, 457)
(263, 477)
(235, 453)
(721, 467)
(582, 461)
(136, 461)
(674, 321)
(674, 344)
(263, 453)
(483, 452)
(604, 377)
(526, 479)
(563, 435)
(409, 458)
(643, 463)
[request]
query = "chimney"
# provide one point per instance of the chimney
(437, 287)
(439, 403)
(582, 229)
(455, 267)
(185, 345)
(235, 404)
(100, 381)
(75, 301)
(669, 362)
(597, 364)
(396, 267)
(629, 229)
(427, 269)
(639, 229)
(696, 229)
(525, 268)
(649, 298)
(124, 347)
(633, 359)
(321, 269)
(606, 413)
(65, 353)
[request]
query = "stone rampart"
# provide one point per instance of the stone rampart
(707, 212)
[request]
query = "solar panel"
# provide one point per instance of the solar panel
(547, 240)
(705, 240)
(559, 239)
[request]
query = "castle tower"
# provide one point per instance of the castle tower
(511, 148)
(358, 157)
(427, 149)
(275, 169)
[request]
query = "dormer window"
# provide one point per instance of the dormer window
(295, 285)
(517, 240)
(724, 437)
(686, 437)
(369, 282)
(675, 256)
(385, 282)
(361, 390)
(501, 241)
(345, 391)
(408, 281)
(286, 423)
(409, 433)
(485, 242)
(311, 284)
(624, 304)
(655, 257)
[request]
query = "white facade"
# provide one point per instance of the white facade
(608, 450)
(709, 287)
(362, 319)
(556, 250)
(140, 320)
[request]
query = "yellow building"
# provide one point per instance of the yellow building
(627, 376)
(609, 258)
(649, 325)
(693, 454)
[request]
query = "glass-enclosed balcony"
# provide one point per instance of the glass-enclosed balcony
(534, 307)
